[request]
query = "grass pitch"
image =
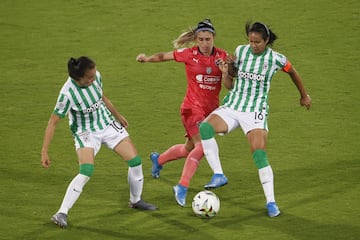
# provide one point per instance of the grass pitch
(314, 153)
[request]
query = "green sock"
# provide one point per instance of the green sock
(136, 161)
(260, 158)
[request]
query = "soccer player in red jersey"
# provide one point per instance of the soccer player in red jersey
(204, 80)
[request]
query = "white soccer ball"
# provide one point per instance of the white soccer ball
(206, 204)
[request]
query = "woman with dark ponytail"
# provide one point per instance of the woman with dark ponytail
(246, 106)
(93, 121)
(263, 30)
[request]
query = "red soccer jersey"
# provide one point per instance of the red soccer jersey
(203, 77)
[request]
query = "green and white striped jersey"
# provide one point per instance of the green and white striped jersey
(87, 111)
(252, 84)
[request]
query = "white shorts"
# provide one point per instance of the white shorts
(110, 137)
(246, 120)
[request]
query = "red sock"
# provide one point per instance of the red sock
(191, 164)
(173, 153)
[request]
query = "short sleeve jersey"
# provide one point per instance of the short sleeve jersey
(84, 105)
(252, 83)
(203, 78)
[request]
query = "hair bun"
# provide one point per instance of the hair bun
(74, 61)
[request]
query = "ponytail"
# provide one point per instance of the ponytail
(185, 39)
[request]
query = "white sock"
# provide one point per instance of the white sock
(136, 181)
(211, 151)
(73, 192)
(267, 180)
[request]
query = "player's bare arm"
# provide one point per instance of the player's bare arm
(305, 99)
(120, 118)
(49, 133)
(226, 77)
(158, 57)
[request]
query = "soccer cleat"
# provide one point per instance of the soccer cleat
(273, 209)
(142, 205)
(180, 194)
(156, 167)
(217, 180)
(60, 219)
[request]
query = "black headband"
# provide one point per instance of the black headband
(205, 25)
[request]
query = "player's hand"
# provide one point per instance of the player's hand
(45, 160)
(141, 58)
(223, 66)
(306, 101)
(230, 59)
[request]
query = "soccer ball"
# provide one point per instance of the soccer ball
(206, 204)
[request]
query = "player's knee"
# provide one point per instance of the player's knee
(260, 158)
(136, 161)
(206, 131)
(87, 169)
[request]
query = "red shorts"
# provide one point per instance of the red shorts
(191, 119)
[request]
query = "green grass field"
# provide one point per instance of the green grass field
(314, 153)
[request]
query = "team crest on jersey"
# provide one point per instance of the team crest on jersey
(265, 66)
(208, 70)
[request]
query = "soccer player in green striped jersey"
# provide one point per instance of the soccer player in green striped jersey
(246, 106)
(93, 121)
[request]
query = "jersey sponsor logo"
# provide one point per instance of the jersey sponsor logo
(94, 107)
(211, 79)
(251, 76)
(199, 78)
(207, 87)
(208, 79)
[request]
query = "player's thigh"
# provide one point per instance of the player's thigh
(117, 138)
(222, 120)
(85, 155)
(126, 149)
